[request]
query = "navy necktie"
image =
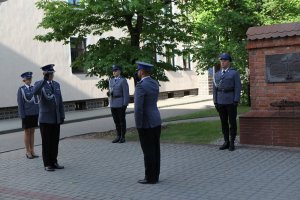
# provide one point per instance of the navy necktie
(50, 83)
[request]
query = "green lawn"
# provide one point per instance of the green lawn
(204, 132)
(194, 133)
(211, 112)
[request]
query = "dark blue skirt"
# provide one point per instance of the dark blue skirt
(30, 121)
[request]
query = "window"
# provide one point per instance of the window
(170, 56)
(74, 2)
(186, 62)
(78, 47)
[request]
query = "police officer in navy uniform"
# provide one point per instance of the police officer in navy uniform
(28, 111)
(226, 96)
(148, 121)
(51, 116)
(119, 98)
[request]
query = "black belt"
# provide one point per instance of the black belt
(225, 90)
(117, 96)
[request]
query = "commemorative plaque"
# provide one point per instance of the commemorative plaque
(283, 68)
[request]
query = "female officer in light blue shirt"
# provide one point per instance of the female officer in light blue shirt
(28, 111)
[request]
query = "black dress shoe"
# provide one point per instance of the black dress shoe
(224, 146)
(57, 166)
(49, 168)
(122, 140)
(144, 181)
(231, 147)
(116, 140)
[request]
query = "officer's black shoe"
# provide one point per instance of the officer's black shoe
(144, 181)
(116, 140)
(57, 166)
(122, 140)
(224, 146)
(49, 169)
(231, 147)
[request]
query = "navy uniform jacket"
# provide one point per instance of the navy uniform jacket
(27, 103)
(51, 103)
(120, 90)
(227, 87)
(146, 112)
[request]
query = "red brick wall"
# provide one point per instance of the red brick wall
(273, 130)
(263, 93)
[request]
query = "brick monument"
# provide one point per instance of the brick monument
(274, 63)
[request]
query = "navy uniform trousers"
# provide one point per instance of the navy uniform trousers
(150, 143)
(118, 115)
(50, 134)
(228, 112)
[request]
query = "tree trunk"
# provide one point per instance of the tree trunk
(135, 31)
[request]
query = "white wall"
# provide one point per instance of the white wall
(20, 53)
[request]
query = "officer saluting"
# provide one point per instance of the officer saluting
(226, 95)
(51, 115)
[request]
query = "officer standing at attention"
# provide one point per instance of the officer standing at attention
(226, 96)
(28, 111)
(51, 116)
(119, 98)
(148, 121)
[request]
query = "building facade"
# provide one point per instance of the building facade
(19, 52)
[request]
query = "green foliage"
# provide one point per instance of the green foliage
(280, 11)
(205, 27)
(148, 27)
(221, 26)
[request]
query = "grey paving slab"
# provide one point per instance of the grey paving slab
(98, 169)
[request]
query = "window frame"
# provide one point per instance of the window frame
(186, 60)
(75, 52)
(170, 57)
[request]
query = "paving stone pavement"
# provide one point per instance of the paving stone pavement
(96, 169)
